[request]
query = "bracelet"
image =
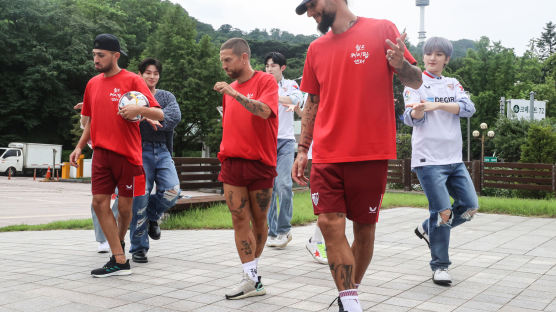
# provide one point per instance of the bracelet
(305, 146)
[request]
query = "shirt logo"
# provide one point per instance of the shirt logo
(428, 87)
(129, 187)
(115, 95)
(360, 55)
(315, 198)
(250, 95)
(450, 86)
(372, 209)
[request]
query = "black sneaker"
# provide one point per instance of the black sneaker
(340, 305)
(139, 257)
(154, 230)
(112, 268)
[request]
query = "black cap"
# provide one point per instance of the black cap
(301, 8)
(108, 42)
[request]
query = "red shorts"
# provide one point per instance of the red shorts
(245, 172)
(353, 188)
(110, 169)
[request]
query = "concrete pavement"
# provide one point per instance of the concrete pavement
(500, 263)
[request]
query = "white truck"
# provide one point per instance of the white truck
(25, 157)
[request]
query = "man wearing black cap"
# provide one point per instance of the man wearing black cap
(116, 144)
(350, 110)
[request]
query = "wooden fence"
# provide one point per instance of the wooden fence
(521, 176)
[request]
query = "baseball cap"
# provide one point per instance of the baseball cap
(108, 42)
(301, 8)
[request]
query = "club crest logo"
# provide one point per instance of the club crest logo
(315, 198)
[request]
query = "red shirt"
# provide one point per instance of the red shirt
(245, 135)
(108, 129)
(349, 71)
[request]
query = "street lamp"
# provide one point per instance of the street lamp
(489, 134)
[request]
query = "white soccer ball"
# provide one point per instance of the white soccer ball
(133, 97)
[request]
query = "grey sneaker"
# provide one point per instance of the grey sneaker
(441, 277)
(420, 232)
(283, 239)
(271, 241)
(246, 288)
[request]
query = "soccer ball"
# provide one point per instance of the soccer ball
(133, 97)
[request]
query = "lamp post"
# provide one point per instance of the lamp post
(489, 134)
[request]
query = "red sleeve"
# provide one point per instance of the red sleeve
(392, 33)
(309, 82)
(269, 93)
(86, 109)
(141, 86)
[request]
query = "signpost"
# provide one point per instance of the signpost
(520, 109)
(490, 159)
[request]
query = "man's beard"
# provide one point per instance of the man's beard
(326, 22)
(104, 69)
(234, 74)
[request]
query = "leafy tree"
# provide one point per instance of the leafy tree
(540, 146)
(190, 70)
(547, 42)
(510, 136)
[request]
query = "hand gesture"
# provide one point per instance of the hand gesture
(154, 123)
(395, 55)
(224, 88)
(298, 169)
(74, 156)
(289, 107)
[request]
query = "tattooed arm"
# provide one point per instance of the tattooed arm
(409, 75)
(257, 108)
(307, 125)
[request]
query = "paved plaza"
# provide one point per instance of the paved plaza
(500, 263)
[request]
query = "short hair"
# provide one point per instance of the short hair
(148, 62)
(438, 44)
(238, 46)
(277, 58)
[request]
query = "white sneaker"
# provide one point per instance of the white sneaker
(318, 251)
(283, 239)
(246, 288)
(103, 247)
(441, 277)
(271, 241)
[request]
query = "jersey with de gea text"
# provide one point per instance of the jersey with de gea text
(245, 135)
(108, 129)
(349, 71)
(436, 138)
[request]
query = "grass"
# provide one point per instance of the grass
(218, 216)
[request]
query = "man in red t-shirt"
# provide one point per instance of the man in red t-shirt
(248, 156)
(117, 160)
(349, 115)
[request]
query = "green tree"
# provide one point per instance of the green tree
(190, 70)
(510, 136)
(547, 41)
(540, 146)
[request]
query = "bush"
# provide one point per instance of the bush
(510, 135)
(540, 146)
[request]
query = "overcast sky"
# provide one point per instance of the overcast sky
(512, 22)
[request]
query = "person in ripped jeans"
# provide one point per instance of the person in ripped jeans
(434, 111)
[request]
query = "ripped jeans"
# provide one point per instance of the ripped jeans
(440, 182)
(160, 170)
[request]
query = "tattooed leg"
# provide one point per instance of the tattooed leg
(340, 257)
(260, 201)
(237, 199)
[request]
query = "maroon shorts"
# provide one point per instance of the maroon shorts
(110, 169)
(353, 188)
(245, 172)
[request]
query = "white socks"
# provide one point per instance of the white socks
(317, 236)
(350, 300)
(250, 268)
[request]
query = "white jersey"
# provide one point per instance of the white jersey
(289, 88)
(436, 138)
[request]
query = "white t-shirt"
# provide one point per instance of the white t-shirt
(436, 138)
(289, 88)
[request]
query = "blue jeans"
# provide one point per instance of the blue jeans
(282, 190)
(160, 169)
(439, 183)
